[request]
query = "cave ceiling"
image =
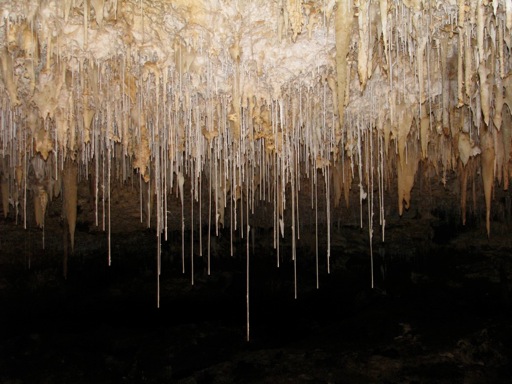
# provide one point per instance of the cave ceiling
(252, 96)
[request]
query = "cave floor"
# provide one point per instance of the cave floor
(444, 318)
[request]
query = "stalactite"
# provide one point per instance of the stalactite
(384, 24)
(499, 155)
(5, 195)
(498, 102)
(407, 167)
(507, 137)
(363, 42)
(488, 157)
(70, 194)
(343, 26)
(247, 272)
(463, 172)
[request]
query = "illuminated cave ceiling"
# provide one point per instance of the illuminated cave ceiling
(254, 96)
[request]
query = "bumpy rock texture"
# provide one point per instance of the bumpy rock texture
(250, 97)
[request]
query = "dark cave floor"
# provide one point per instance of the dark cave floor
(444, 318)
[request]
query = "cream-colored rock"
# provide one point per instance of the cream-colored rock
(507, 87)
(480, 27)
(43, 142)
(498, 102)
(508, 10)
(485, 91)
(9, 77)
(344, 19)
(404, 115)
(467, 148)
(460, 69)
(469, 75)
(363, 43)
(507, 142)
(295, 17)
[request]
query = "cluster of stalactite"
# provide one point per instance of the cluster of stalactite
(249, 99)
